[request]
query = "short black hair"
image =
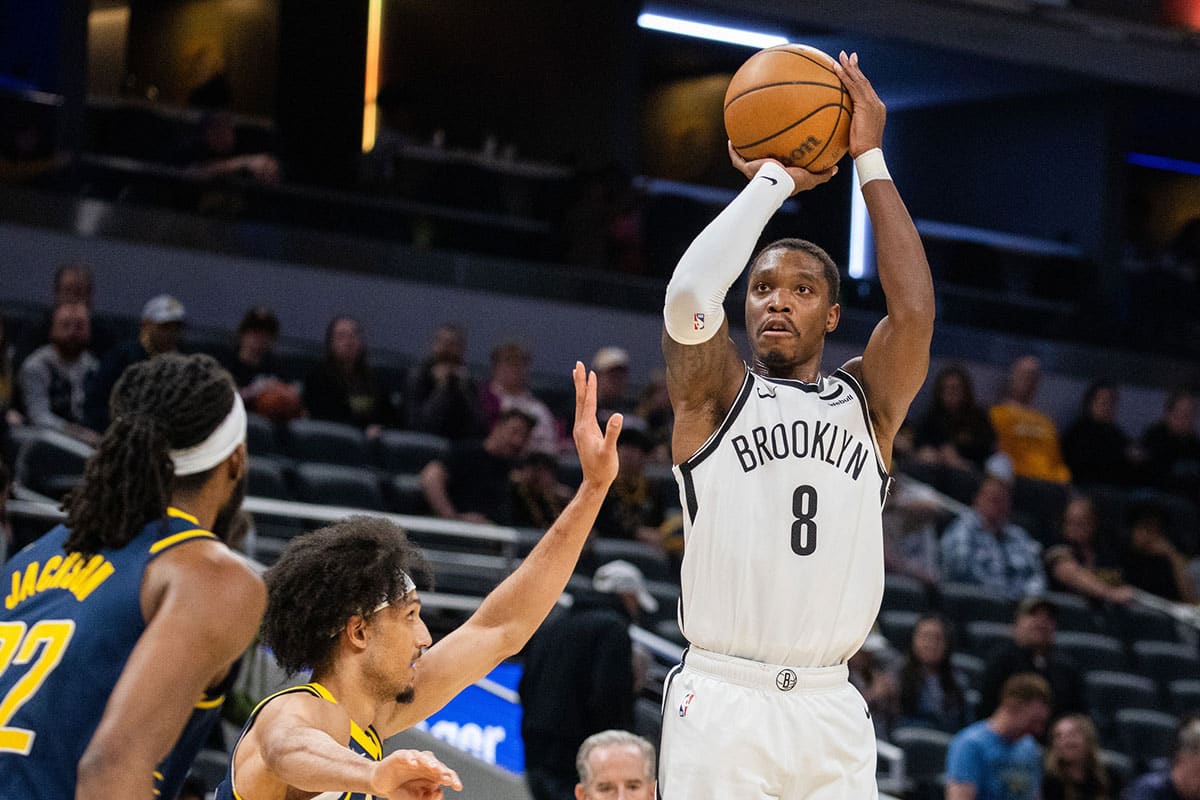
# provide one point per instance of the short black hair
(259, 318)
(832, 278)
(328, 576)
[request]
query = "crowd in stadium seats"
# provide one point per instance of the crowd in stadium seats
(1009, 549)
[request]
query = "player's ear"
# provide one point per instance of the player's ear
(356, 631)
(238, 463)
(832, 318)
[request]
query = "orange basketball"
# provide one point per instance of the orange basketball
(787, 103)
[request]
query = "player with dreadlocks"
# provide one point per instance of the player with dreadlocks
(118, 628)
(343, 602)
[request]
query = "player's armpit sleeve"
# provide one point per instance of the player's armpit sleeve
(693, 311)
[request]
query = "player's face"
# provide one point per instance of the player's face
(788, 309)
(402, 637)
(617, 772)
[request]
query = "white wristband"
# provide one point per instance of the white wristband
(871, 167)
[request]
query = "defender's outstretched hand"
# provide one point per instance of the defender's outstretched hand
(412, 773)
(803, 179)
(866, 124)
(597, 450)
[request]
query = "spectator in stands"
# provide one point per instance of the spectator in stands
(578, 677)
(611, 365)
(1032, 650)
(984, 548)
(1028, 436)
(910, 539)
(955, 431)
(998, 758)
(256, 370)
(1072, 767)
(632, 509)
(1094, 447)
(54, 377)
(1081, 561)
(1153, 563)
(215, 152)
(474, 484)
(616, 764)
(654, 406)
(161, 327)
(509, 388)
(869, 673)
(6, 534)
(932, 693)
(397, 132)
(1180, 781)
(343, 388)
(73, 283)
(443, 398)
(539, 496)
(7, 379)
(1172, 446)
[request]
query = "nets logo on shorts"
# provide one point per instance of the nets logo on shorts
(785, 681)
(687, 701)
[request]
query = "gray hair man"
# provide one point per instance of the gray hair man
(615, 765)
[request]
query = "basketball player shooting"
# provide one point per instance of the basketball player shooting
(783, 472)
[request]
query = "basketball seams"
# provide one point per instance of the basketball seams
(829, 139)
(781, 131)
(761, 86)
(805, 56)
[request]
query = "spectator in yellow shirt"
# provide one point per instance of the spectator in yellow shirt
(1027, 436)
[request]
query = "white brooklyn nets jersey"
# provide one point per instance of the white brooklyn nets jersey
(783, 553)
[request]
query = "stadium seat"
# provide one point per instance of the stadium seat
(1184, 695)
(669, 630)
(1092, 651)
(902, 593)
(405, 495)
(335, 485)
(897, 627)
(649, 559)
(1134, 622)
(316, 440)
(662, 484)
(49, 464)
(1074, 613)
(1146, 736)
(971, 666)
(1166, 661)
(966, 602)
(985, 637)
(407, 452)
(647, 719)
(569, 470)
(1039, 504)
(1119, 765)
(1108, 691)
(261, 439)
(267, 479)
(924, 755)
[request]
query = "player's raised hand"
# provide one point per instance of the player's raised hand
(597, 450)
(413, 774)
(803, 179)
(866, 124)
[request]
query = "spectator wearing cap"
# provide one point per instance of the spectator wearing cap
(998, 758)
(509, 388)
(475, 482)
(256, 370)
(1032, 650)
(632, 510)
(1181, 781)
(579, 676)
(53, 379)
(161, 325)
(982, 547)
(611, 365)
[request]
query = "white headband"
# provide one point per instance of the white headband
(217, 447)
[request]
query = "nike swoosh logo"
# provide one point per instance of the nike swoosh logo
(773, 181)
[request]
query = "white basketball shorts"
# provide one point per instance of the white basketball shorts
(734, 728)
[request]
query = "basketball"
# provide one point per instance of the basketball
(787, 103)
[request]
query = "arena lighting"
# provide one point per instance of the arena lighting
(1163, 163)
(702, 30)
(860, 228)
(371, 84)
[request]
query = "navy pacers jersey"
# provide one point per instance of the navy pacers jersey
(364, 742)
(67, 626)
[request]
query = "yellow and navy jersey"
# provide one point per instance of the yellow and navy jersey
(68, 623)
(365, 742)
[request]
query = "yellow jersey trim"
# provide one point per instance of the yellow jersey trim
(182, 536)
(215, 702)
(172, 511)
(367, 739)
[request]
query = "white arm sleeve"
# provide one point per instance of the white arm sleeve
(693, 311)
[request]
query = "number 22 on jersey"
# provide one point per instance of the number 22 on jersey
(18, 644)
